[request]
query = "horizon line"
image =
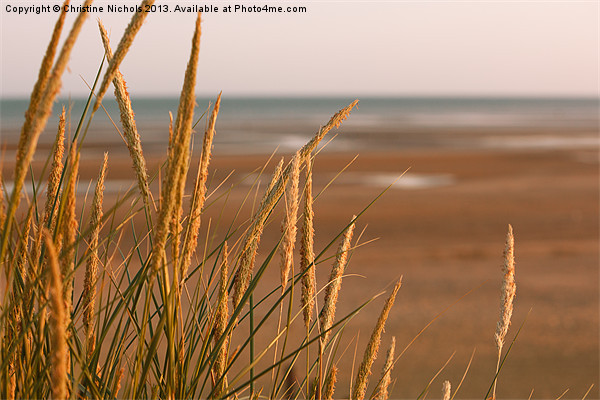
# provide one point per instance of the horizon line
(291, 96)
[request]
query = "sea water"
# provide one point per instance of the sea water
(263, 124)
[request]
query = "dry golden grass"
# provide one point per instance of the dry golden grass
(130, 32)
(2, 206)
(386, 373)
(92, 261)
(288, 225)
(58, 324)
(69, 227)
(364, 370)
(252, 240)
(327, 315)
(446, 390)
(221, 320)
(330, 383)
(144, 339)
(307, 255)
(43, 95)
(132, 138)
(199, 193)
(177, 165)
(508, 292)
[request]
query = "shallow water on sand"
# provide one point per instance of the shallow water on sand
(259, 125)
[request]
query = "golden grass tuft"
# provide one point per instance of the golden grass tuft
(118, 382)
(386, 373)
(508, 292)
(22, 256)
(364, 370)
(288, 225)
(69, 227)
(55, 172)
(92, 260)
(330, 383)
(58, 320)
(221, 319)
(252, 239)
(307, 256)
(334, 122)
(21, 302)
(327, 315)
(180, 345)
(199, 194)
(52, 189)
(132, 29)
(182, 134)
(272, 195)
(38, 112)
(130, 131)
(277, 173)
(446, 390)
(46, 67)
(2, 205)
(178, 157)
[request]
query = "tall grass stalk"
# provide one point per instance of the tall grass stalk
(508, 292)
(91, 270)
(126, 40)
(381, 391)
(43, 95)
(446, 387)
(58, 329)
(130, 131)
(364, 370)
(199, 194)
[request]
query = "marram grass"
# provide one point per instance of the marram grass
(86, 314)
(130, 132)
(92, 261)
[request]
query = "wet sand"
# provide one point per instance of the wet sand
(448, 240)
(446, 237)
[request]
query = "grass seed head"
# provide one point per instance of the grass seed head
(199, 194)
(39, 110)
(289, 223)
(221, 320)
(330, 383)
(362, 378)
(91, 270)
(58, 334)
(307, 256)
(252, 239)
(55, 171)
(386, 373)
(508, 290)
(130, 132)
(446, 390)
(2, 205)
(132, 29)
(327, 315)
(178, 155)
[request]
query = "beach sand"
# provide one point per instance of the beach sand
(442, 227)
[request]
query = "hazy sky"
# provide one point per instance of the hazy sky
(354, 48)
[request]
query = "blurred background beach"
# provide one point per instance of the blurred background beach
(474, 166)
(495, 121)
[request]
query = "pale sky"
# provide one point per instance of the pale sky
(358, 48)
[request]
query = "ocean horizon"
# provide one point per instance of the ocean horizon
(262, 124)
